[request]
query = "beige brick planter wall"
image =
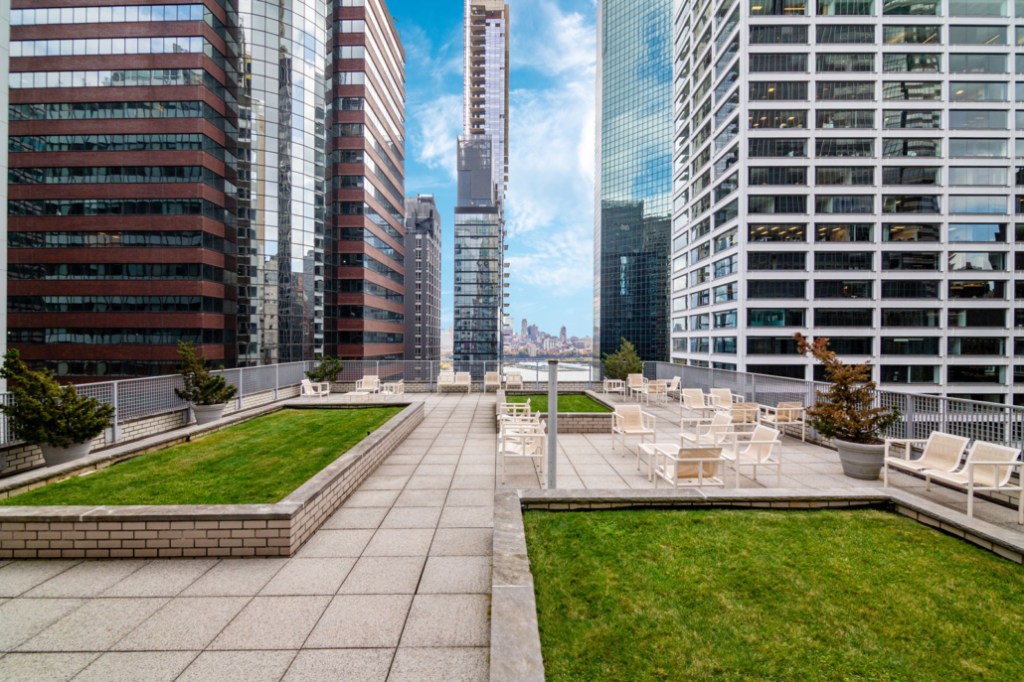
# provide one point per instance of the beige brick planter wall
(200, 530)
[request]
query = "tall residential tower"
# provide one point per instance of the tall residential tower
(851, 169)
(633, 194)
(482, 179)
(423, 282)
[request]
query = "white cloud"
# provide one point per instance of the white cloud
(437, 124)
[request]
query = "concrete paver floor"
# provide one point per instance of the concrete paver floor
(394, 586)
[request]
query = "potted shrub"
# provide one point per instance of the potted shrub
(208, 394)
(54, 417)
(623, 362)
(846, 413)
(328, 370)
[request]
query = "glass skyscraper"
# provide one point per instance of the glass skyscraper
(482, 179)
(634, 186)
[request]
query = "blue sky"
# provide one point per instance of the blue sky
(551, 147)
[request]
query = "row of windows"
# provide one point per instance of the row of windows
(864, 147)
(114, 78)
(114, 143)
(864, 34)
(359, 312)
(891, 175)
(113, 239)
(891, 232)
(956, 8)
(358, 234)
(118, 304)
(979, 204)
(119, 336)
(119, 271)
(78, 111)
(119, 207)
(113, 174)
(959, 91)
(972, 119)
(958, 261)
(106, 15)
(892, 62)
(80, 47)
(362, 260)
(891, 289)
(362, 286)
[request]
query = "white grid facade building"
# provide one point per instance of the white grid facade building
(852, 169)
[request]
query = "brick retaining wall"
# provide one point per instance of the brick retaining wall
(200, 530)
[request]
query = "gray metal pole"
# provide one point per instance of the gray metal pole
(552, 422)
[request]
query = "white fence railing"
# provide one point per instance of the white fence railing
(920, 414)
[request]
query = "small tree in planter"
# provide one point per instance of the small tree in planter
(846, 412)
(623, 362)
(207, 393)
(54, 417)
(328, 370)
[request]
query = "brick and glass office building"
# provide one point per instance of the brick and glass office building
(169, 180)
(851, 169)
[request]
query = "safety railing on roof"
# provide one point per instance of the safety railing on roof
(920, 414)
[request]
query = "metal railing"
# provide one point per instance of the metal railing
(919, 414)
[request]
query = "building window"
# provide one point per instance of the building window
(778, 90)
(911, 175)
(839, 288)
(777, 148)
(843, 232)
(912, 35)
(845, 62)
(845, 203)
(977, 232)
(922, 345)
(776, 175)
(977, 260)
(778, 63)
(977, 289)
(770, 203)
(907, 118)
(977, 63)
(919, 203)
(844, 175)
(843, 317)
(778, 7)
(775, 317)
(777, 118)
(910, 317)
(778, 35)
(845, 90)
(910, 147)
(772, 288)
(776, 261)
(898, 288)
(904, 62)
(835, 8)
(845, 34)
(766, 232)
(843, 260)
(977, 148)
(845, 118)
(977, 203)
(845, 147)
(911, 90)
(970, 318)
(977, 35)
(910, 374)
(910, 260)
(910, 7)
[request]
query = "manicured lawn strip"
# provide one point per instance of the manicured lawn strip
(741, 595)
(260, 461)
(566, 403)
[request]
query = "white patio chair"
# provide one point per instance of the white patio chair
(674, 387)
(761, 450)
(785, 414)
(492, 380)
(310, 389)
(942, 452)
(688, 466)
(988, 467)
(630, 420)
(445, 379)
(368, 384)
(723, 397)
(464, 380)
(707, 432)
(694, 401)
(393, 388)
(657, 389)
(507, 411)
(635, 384)
(523, 438)
(613, 386)
(513, 380)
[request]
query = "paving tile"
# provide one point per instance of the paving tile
(434, 457)
(183, 624)
(435, 470)
(467, 517)
(351, 665)
(384, 575)
(419, 482)
(465, 482)
(238, 666)
(421, 498)
(272, 623)
(151, 666)
(359, 621)
(38, 667)
(24, 618)
(412, 517)
(21, 576)
(372, 498)
(309, 576)
(456, 575)
(384, 483)
(96, 626)
(396, 469)
(406, 458)
(440, 665)
(462, 542)
(400, 542)
(356, 517)
(336, 543)
(448, 620)
(235, 577)
(469, 498)
(87, 579)
(161, 578)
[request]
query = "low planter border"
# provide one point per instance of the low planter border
(244, 530)
(573, 422)
(515, 636)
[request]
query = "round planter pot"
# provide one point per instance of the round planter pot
(52, 455)
(860, 461)
(208, 413)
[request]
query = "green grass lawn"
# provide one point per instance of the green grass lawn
(566, 403)
(257, 462)
(743, 595)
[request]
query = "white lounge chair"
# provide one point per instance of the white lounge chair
(707, 432)
(393, 388)
(508, 411)
(941, 452)
(723, 397)
(613, 386)
(445, 379)
(761, 450)
(694, 401)
(630, 420)
(988, 467)
(464, 380)
(657, 389)
(674, 387)
(635, 384)
(785, 414)
(492, 380)
(522, 438)
(310, 389)
(513, 380)
(685, 466)
(368, 384)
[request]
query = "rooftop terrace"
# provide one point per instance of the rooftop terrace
(396, 585)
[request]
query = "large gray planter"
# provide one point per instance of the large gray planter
(209, 413)
(53, 455)
(860, 461)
